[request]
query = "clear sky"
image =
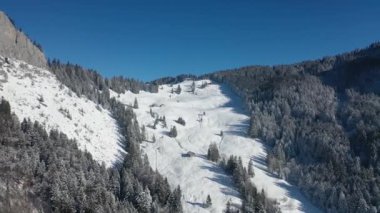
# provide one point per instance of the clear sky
(151, 39)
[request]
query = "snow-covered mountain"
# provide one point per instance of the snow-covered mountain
(211, 109)
(37, 94)
(207, 111)
(320, 119)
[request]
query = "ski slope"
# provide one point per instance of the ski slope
(36, 94)
(207, 112)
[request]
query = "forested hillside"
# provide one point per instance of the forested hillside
(47, 172)
(322, 121)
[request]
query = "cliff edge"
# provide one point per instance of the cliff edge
(15, 44)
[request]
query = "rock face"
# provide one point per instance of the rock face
(15, 44)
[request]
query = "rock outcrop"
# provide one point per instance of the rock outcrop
(15, 44)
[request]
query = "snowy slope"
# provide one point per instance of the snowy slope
(197, 176)
(36, 94)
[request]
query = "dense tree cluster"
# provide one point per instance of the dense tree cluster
(173, 80)
(253, 201)
(322, 121)
(91, 84)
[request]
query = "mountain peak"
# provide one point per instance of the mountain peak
(15, 44)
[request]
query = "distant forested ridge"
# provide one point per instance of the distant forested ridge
(173, 80)
(91, 84)
(322, 121)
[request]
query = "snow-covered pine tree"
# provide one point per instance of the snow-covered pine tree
(151, 112)
(178, 90)
(144, 201)
(174, 201)
(135, 104)
(143, 133)
(213, 153)
(192, 88)
(208, 201)
(173, 132)
(251, 172)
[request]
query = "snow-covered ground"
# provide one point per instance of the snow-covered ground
(207, 112)
(36, 94)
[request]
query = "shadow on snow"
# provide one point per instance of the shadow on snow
(223, 179)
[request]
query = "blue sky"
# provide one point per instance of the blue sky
(151, 39)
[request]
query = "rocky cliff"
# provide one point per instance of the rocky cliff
(15, 44)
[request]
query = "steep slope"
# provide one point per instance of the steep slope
(15, 44)
(36, 94)
(206, 112)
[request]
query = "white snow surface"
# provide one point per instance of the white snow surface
(37, 94)
(197, 176)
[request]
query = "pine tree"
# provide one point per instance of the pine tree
(251, 172)
(174, 201)
(208, 201)
(213, 153)
(143, 133)
(144, 201)
(5, 107)
(135, 104)
(178, 90)
(164, 122)
(193, 87)
(151, 112)
(228, 207)
(173, 132)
